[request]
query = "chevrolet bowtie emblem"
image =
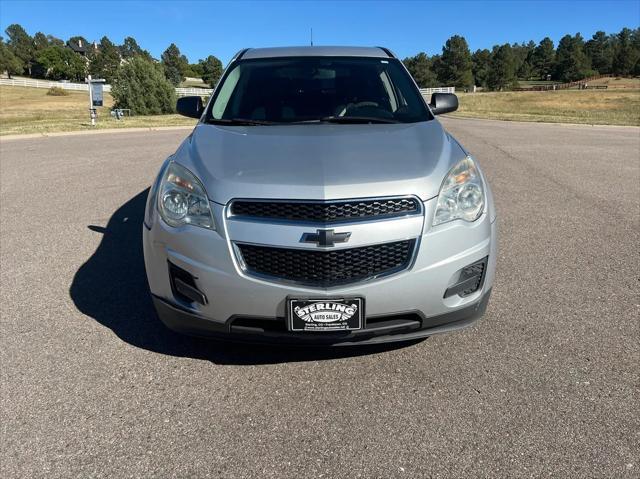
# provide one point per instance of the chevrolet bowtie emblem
(325, 238)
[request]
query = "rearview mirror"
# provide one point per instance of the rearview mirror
(190, 106)
(443, 103)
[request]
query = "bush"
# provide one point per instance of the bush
(142, 87)
(57, 91)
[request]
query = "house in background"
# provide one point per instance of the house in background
(83, 48)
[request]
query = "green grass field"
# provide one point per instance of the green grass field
(31, 110)
(594, 107)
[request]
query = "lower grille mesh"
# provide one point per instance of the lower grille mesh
(327, 268)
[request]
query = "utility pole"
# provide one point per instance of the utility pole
(311, 36)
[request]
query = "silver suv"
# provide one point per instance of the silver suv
(318, 201)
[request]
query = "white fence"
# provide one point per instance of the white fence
(28, 82)
(194, 91)
(440, 89)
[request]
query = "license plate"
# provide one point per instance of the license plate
(344, 314)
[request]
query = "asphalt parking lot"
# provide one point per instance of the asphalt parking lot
(546, 384)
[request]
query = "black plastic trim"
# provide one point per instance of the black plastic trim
(469, 281)
(397, 328)
(183, 285)
(355, 219)
(413, 246)
(189, 291)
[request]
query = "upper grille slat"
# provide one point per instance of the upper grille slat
(325, 212)
(327, 268)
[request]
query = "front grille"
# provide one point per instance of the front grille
(327, 268)
(325, 212)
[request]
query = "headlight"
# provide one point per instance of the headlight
(461, 194)
(182, 199)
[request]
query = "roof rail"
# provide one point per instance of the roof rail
(387, 51)
(240, 54)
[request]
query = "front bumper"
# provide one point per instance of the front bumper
(378, 330)
(403, 306)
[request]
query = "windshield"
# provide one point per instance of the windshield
(317, 89)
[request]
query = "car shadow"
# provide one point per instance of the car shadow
(111, 287)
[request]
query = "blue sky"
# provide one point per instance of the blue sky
(200, 28)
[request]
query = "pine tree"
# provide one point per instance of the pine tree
(421, 70)
(130, 49)
(626, 55)
(571, 62)
(142, 87)
(174, 64)
(455, 63)
(543, 58)
(8, 61)
(481, 60)
(600, 52)
(105, 62)
(21, 45)
(211, 70)
(502, 71)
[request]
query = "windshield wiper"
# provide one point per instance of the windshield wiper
(240, 121)
(357, 119)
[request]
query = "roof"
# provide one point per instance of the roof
(376, 52)
(77, 48)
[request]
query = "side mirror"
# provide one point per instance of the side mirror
(190, 106)
(443, 103)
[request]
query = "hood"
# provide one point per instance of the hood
(320, 161)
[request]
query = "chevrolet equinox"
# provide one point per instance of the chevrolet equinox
(319, 201)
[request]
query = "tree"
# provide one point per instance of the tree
(61, 63)
(40, 41)
(456, 65)
(8, 61)
(174, 64)
(481, 60)
(635, 41)
(543, 58)
(600, 52)
(421, 70)
(130, 49)
(104, 62)
(626, 55)
(571, 62)
(21, 45)
(211, 70)
(196, 69)
(524, 59)
(502, 71)
(142, 87)
(78, 40)
(55, 41)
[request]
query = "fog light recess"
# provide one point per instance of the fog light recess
(470, 279)
(183, 286)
